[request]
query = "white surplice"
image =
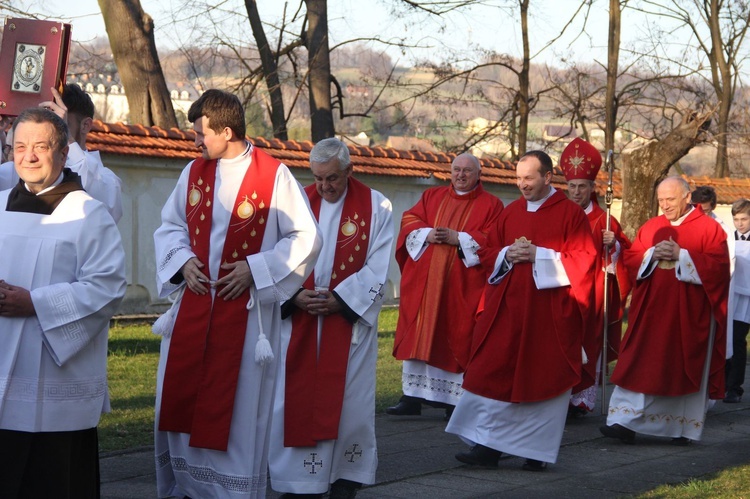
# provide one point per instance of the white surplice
(99, 181)
(290, 246)
(53, 366)
(353, 456)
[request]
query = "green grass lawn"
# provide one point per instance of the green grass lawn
(134, 354)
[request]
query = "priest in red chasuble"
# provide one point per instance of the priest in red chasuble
(441, 284)
(673, 354)
(526, 352)
(580, 162)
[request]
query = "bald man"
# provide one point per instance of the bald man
(672, 355)
(441, 284)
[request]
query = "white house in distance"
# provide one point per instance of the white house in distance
(111, 103)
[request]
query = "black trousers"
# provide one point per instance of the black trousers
(735, 367)
(49, 465)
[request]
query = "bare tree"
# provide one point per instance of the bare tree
(613, 57)
(269, 61)
(131, 36)
(718, 29)
(645, 167)
(319, 70)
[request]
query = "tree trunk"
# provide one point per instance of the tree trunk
(131, 37)
(319, 70)
(721, 75)
(643, 169)
(523, 80)
(613, 56)
(270, 71)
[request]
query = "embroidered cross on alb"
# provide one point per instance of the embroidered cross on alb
(376, 293)
(312, 463)
(353, 453)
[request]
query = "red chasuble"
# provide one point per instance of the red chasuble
(663, 352)
(527, 341)
(439, 295)
(619, 288)
(316, 377)
(205, 352)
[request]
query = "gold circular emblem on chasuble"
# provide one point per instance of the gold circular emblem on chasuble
(235, 254)
(195, 196)
(348, 228)
(244, 245)
(245, 209)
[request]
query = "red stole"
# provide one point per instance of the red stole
(315, 382)
(205, 354)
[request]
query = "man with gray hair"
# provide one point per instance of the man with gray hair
(672, 355)
(323, 425)
(441, 285)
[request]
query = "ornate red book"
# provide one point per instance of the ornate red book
(33, 59)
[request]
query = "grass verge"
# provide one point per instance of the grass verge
(133, 358)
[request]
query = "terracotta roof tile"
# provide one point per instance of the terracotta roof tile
(155, 142)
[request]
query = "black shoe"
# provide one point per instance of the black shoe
(407, 406)
(448, 413)
(575, 412)
(289, 495)
(479, 455)
(681, 441)
(732, 398)
(534, 465)
(344, 489)
(618, 431)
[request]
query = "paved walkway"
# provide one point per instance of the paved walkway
(416, 461)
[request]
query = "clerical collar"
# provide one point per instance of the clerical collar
(463, 193)
(535, 205)
(682, 218)
(589, 208)
(238, 159)
(54, 184)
